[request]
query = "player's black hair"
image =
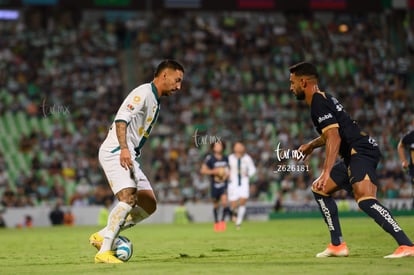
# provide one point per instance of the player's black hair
(223, 144)
(304, 69)
(168, 64)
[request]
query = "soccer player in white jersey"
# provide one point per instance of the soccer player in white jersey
(242, 169)
(119, 152)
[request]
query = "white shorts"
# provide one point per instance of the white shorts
(236, 192)
(118, 177)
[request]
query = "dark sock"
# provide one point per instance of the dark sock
(329, 210)
(226, 211)
(215, 211)
(383, 218)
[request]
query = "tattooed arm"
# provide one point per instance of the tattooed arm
(125, 157)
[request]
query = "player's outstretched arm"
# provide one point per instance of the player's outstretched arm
(308, 148)
(332, 144)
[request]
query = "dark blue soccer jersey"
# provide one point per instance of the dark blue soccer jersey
(408, 142)
(327, 112)
(212, 162)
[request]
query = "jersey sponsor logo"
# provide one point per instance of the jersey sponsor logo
(130, 107)
(142, 132)
(327, 214)
(325, 117)
(387, 216)
(137, 99)
(372, 141)
(338, 106)
(220, 164)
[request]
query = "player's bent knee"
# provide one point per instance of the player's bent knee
(127, 195)
(147, 201)
(364, 190)
(315, 191)
(151, 206)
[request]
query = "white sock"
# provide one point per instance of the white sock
(240, 214)
(115, 221)
(136, 215)
(102, 232)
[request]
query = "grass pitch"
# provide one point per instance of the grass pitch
(274, 247)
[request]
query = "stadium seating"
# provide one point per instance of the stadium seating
(254, 105)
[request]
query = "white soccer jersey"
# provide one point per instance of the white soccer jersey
(241, 169)
(140, 111)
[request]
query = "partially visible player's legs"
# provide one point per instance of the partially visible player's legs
(329, 210)
(234, 204)
(241, 212)
(226, 211)
(219, 197)
(146, 205)
(243, 193)
(362, 170)
(116, 219)
(233, 197)
(216, 207)
(365, 195)
(412, 190)
(124, 187)
(136, 202)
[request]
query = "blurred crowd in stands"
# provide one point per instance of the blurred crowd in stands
(236, 88)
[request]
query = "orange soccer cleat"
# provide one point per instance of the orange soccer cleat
(401, 251)
(334, 251)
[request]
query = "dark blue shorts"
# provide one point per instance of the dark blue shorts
(217, 192)
(360, 167)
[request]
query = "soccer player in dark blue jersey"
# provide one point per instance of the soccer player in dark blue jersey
(407, 144)
(216, 165)
(356, 171)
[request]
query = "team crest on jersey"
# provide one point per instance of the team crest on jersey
(137, 99)
(142, 132)
(130, 107)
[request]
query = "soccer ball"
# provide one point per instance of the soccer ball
(122, 247)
